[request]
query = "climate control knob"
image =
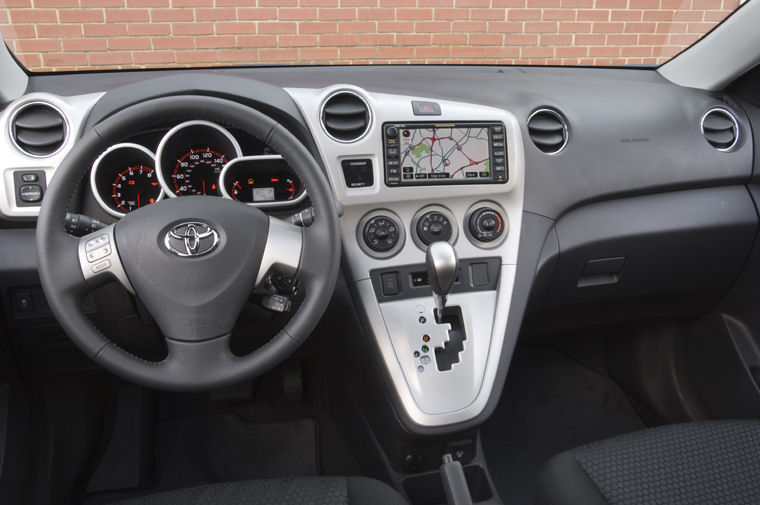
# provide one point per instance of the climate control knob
(486, 225)
(381, 233)
(434, 226)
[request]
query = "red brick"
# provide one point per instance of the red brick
(537, 52)
(38, 45)
(173, 43)
(622, 40)
(208, 56)
(505, 27)
(192, 3)
(319, 53)
(640, 27)
(571, 52)
(593, 15)
(109, 58)
(142, 58)
(288, 55)
(148, 3)
(488, 14)
(128, 43)
(276, 27)
(297, 40)
(56, 3)
(44, 31)
(524, 14)
(485, 39)
(376, 39)
(652, 40)
(356, 27)
(574, 27)
(336, 14)
(503, 52)
(149, 29)
(358, 52)
(413, 39)
(559, 15)
(553, 39)
(127, 15)
(541, 27)
(19, 16)
(472, 3)
(626, 15)
(521, 39)
(608, 27)
(233, 27)
(450, 39)
(61, 59)
(590, 40)
(257, 14)
(469, 26)
(688, 16)
(317, 27)
(432, 27)
(256, 41)
(375, 14)
(337, 40)
(215, 41)
(193, 28)
(636, 51)
(89, 44)
(81, 16)
(216, 14)
(297, 14)
(171, 15)
(105, 30)
(395, 26)
(432, 52)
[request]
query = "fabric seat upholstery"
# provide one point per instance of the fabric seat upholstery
(291, 491)
(701, 463)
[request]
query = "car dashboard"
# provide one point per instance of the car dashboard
(571, 191)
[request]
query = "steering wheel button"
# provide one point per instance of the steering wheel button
(99, 253)
(99, 267)
(96, 242)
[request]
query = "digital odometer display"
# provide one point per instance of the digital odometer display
(440, 154)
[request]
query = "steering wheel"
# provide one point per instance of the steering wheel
(193, 261)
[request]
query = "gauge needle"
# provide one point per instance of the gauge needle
(204, 187)
(138, 200)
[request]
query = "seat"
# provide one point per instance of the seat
(291, 491)
(700, 463)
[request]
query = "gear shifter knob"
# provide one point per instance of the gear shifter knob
(442, 263)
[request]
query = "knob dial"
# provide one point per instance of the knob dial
(434, 226)
(486, 224)
(391, 132)
(381, 233)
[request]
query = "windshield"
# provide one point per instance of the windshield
(70, 35)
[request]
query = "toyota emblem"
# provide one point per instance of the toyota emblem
(191, 239)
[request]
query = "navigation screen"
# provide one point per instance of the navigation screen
(456, 154)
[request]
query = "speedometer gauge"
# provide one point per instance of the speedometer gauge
(197, 172)
(124, 178)
(191, 157)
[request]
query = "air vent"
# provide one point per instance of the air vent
(548, 130)
(720, 128)
(345, 116)
(38, 129)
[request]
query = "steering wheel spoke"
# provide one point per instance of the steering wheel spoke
(283, 251)
(99, 259)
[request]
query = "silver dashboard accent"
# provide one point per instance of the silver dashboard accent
(99, 259)
(96, 166)
(380, 254)
(283, 249)
(75, 109)
(431, 404)
(731, 117)
(565, 130)
(350, 92)
(162, 144)
(25, 106)
(466, 224)
(231, 163)
(433, 208)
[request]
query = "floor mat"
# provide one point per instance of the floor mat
(198, 450)
(550, 404)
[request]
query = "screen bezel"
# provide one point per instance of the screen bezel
(446, 124)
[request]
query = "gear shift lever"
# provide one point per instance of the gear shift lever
(442, 263)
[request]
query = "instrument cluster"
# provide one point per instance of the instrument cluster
(193, 158)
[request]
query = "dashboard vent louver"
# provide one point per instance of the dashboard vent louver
(720, 128)
(548, 130)
(345, 116)
(38, 129)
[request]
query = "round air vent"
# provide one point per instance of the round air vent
(548, 130)
(345, 116)
(720, 128)
(38, 129)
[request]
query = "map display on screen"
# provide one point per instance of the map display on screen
(435, 153)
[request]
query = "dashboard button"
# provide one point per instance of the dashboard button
(381, 233)
(434, 226)
(30, 193)
(486, 224)
(390, 283)
(30, 177)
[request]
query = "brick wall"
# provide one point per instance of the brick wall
(106, 34)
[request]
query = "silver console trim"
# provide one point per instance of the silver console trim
(405, 202)
(74, 109)
(283, 249)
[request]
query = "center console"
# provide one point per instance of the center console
(411, 174)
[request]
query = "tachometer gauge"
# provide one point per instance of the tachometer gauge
(124, 179)
(135, 187)
(191, 157)
(265, 181)
(197, 172)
